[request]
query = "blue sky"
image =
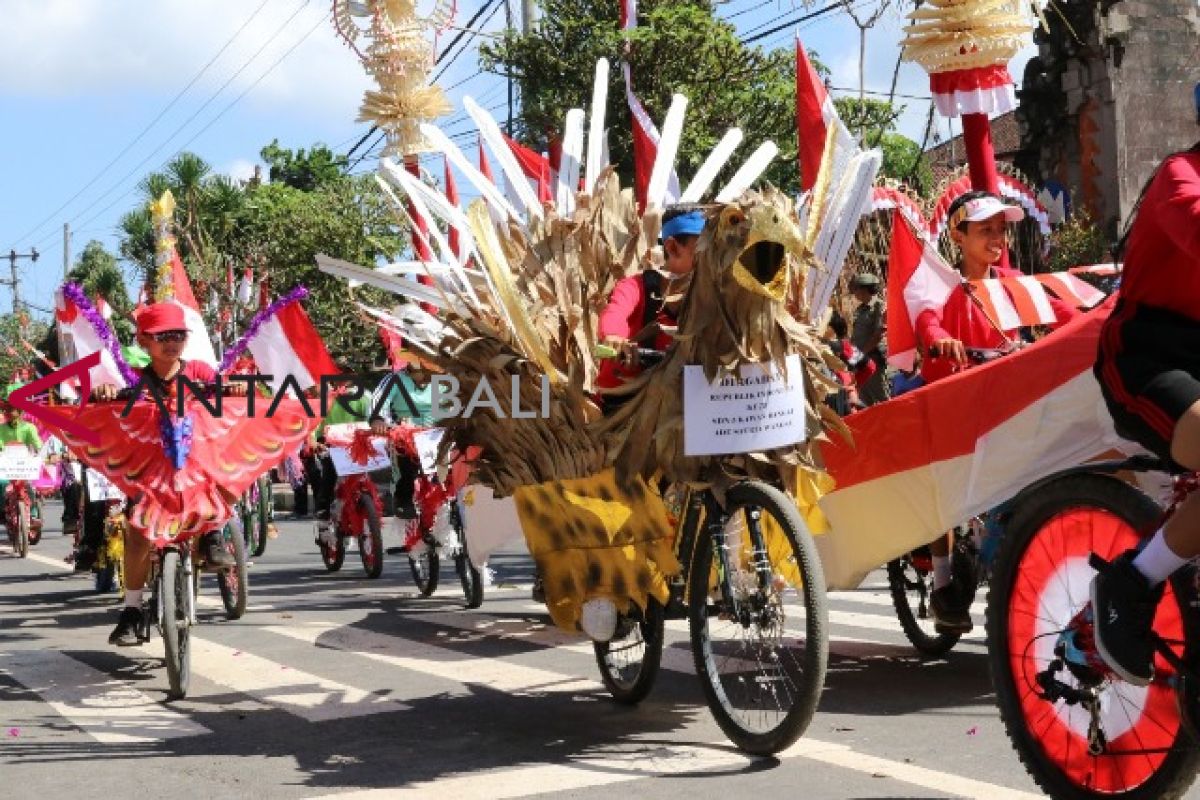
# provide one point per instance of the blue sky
(81, 80)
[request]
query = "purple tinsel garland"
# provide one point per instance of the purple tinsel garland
(233, 353)
(74, 292)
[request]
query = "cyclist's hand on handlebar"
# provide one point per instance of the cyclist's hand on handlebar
(949, 348)
(235, 389)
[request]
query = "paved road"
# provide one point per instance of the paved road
(333, 685)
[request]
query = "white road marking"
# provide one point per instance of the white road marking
(432, 660)
(307, 696)
(107, 709)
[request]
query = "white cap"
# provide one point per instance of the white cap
(986, 207)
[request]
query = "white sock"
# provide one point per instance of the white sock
(1157, 561)
(133, 598)
(941, 572)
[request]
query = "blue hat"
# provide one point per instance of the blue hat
(690, 223)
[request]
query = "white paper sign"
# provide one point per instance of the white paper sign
(18, 464)
(751, 413)
(101, 488)
(379, 458)
(427, 443)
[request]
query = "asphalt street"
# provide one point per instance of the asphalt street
(335, 685)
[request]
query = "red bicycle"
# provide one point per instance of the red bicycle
(18, 517)
(357, 509)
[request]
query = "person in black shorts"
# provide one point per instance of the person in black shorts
(1148, 367)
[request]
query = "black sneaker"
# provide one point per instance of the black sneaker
(215, 553)
(126, 632)
(950, 613)
(1123, 605)
(539, 589)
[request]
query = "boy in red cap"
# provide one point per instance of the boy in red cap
(162, 333)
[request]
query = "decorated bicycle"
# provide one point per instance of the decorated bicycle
(182, 452)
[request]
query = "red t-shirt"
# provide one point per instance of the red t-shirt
(1162, 256)
(623, 317)
(961, 319)
(195, 371)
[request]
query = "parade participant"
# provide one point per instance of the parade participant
(867, 332)
(1149, 371)
(837, 336)
(978, 223)
(406, 395)
(162, 333)
(642, 309)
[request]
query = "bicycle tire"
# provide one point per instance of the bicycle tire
(425, 568)
(174, 625)
(249, 518)
(22, 530)
(233, 581)
(803, 689)
(470, 577)
(370, 540)
(631, 685)
(1084, 513)
(931, 645)
(265, 513)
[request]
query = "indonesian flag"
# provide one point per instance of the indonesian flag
(287, 344)
(199, 346)
(918, 280)
(80, 339)
(645, 134)
(535, 166)
(931, 459)
(103, 307)
(815, 112)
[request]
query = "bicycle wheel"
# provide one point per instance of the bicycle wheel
(232, 580)
(425, 566)
(370, 540)
(911, 582)
(249, 517)
(1040, 582)
(468, 575)
(629, 661)
(265, 515)
(23, 530)
(759, 641)
(173, 623)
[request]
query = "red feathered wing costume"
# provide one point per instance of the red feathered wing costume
(225, 455)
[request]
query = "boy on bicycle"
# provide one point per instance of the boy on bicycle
(1148, 367)
(15, 430)
(162, 333)
(978, 223)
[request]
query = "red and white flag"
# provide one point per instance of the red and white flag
(815, 112)
(919, 280)
(645, 134)
(245, 289)
(80, 339)
(287, 344)
(535, 166)
(933, 458)
(199, 347)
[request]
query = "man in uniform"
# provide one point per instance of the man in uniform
(867, 333)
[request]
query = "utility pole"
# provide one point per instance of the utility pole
(66, 249)
(526, 16)
(15, 282)
(508, 22)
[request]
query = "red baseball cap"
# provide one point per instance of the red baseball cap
(159, 317)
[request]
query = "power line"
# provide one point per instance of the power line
(149, 125)
(197, 113)
(225, 110)
(495, 7)
(785, 25)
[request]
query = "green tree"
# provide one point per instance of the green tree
(678, 46)
(99, 274)
(902, 157)
(15, 331)
(301, 169)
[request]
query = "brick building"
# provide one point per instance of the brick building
(951, 155)
(1102, 103)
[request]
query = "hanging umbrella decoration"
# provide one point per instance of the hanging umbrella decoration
(965, 46)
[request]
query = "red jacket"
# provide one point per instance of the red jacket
(623, 317)
(1162, 256)
(961, 319)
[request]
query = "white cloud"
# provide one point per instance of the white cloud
(240, 169)
(96, 47)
